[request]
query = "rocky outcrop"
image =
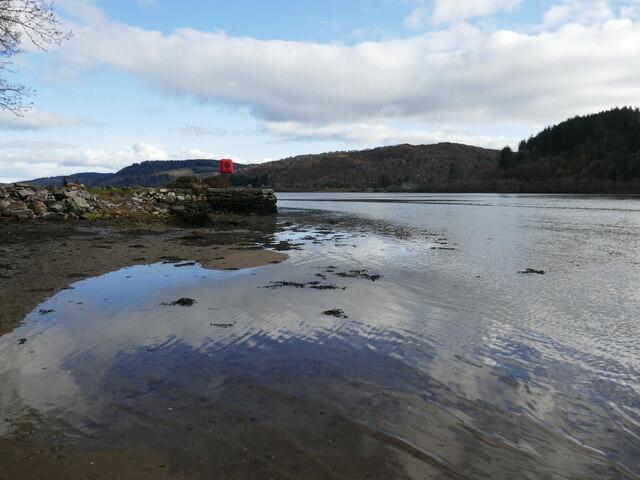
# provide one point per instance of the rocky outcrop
(193, 205)
(27, 201)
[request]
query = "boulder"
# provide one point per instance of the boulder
(22, 213)
(77, 205)
(4, 204)
(56, 207)
(25, 193)
(38, 207)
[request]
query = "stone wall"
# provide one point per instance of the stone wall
(196, 205)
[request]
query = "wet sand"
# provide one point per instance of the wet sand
(40, 258)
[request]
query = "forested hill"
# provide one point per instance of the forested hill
(592, 153)
(410, 167)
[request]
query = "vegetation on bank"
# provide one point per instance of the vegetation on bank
(585, 153)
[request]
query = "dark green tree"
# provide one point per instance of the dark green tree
(506, 158)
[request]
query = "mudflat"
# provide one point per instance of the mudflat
(40, 258)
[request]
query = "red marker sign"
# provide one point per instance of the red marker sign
(226, 165)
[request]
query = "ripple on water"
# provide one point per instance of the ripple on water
(433, 370)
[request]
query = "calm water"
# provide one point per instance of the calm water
(451, 364)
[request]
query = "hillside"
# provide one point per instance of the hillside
(596, 153)
(592, 153)
(85, 178)
(152, 173)
(410, 167)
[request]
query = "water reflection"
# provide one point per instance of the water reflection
(442, 367)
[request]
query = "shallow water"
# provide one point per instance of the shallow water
(452, 364)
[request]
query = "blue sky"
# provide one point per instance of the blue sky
(256, 81)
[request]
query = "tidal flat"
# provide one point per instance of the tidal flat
(400, 337)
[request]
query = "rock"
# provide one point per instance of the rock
(4, 204)
(56, 207)
(25, 193)
(77, 205)
(38, 207)
(13, 206)
(22, 213)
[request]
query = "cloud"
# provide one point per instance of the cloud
(458, 74)
(39, 120)
(34, 158)
(366, 134)
(34, 144)
(201, 131)
(418, 18)
(578, 11)
(115, 160)
(448, 11)
(25, 160)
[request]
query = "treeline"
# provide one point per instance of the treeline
(151, 167)
(601, 150)
(396, 168)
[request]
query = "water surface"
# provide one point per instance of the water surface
(451, 364)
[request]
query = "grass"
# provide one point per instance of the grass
(112, 194)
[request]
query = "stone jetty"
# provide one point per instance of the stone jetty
(26, 201)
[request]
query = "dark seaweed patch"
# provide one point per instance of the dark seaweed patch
(335, 312)
(183, 302)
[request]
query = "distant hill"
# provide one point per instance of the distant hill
(399, 167)
(592, 153)
(596, 153)
(85, 178)
(152, 173)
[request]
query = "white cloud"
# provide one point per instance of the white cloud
(25, 160)
(34, 144)
(366, 134)
(39, 120)
(578, 12)
(201, 131)
(418, 18)
(22, 162)
(450, 11)
(192, 153)
(115, 160)
(458, 74)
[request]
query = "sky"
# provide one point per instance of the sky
(257, 80)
